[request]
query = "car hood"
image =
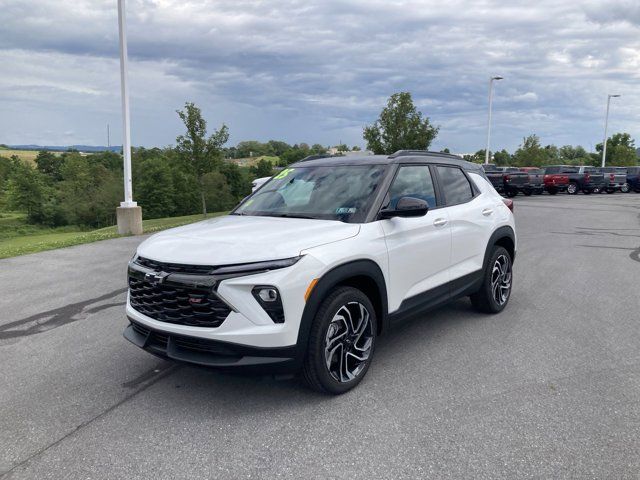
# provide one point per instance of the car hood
(236, 239)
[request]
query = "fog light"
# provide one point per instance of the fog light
(268, 294)
(269, 299)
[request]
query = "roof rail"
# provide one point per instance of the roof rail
(426, 153)
(316, 157)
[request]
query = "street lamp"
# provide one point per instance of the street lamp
(606, 122)
(486, 153)
(129, 214)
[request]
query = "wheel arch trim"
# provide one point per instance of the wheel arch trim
(337, 276)
(504, 232)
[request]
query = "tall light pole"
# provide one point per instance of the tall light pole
(486, 153)
(129, 215)
(606, 122)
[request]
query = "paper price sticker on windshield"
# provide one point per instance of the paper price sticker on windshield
(284, 173)
(345, 210)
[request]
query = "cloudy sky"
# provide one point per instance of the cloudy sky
(318, 70)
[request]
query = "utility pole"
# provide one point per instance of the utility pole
(486, 153)
(129, 214)
(606, 122)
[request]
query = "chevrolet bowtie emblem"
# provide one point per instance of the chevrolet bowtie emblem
(156, 278)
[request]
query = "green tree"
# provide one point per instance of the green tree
(252, 148)
(570, 155)
(502, 158)
(86, 194)
(621, 150)
(277, 147)
(237, 179)
(264, 168)
(530, 153)
(49, 164)
(202, 153)
(154, 190)
(27, 191)
(477, 157)
(342, 147)
(295, 153)
(317, 149)
(400, 126)
(218, 193)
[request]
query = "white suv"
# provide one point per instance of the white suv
(307, 271)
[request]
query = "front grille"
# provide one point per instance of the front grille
(174, 267)
(174, 304)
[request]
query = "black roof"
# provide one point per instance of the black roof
(401, 156)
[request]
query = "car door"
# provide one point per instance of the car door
(419, 248)
(471, 216)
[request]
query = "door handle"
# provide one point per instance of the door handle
(439, 222)
(487, 211)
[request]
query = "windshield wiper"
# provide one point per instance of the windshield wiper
(291, 215)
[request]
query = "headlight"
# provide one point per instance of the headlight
(256, 267)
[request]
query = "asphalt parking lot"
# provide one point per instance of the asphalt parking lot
(549, 388)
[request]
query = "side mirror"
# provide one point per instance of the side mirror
(406, 207)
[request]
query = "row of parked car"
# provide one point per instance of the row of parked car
(510, 181)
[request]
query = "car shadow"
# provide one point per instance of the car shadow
(242, 392)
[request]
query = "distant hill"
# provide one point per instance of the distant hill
(64, 148)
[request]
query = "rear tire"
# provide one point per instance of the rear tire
(511, 193)
(527, 192)
(341, 342)
(610, 190)
(495, 291)
(552, 190)
(625, 188)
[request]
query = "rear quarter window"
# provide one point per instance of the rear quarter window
(455, 185)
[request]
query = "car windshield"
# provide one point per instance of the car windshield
(341, 192)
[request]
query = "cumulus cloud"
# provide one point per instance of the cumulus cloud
(318, 70)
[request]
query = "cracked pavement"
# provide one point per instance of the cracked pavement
(550, 388)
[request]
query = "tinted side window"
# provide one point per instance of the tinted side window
(413, 181)
(457, 188)
(552, 170)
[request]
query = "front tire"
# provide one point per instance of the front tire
(573, 189)
(341, 342)
(495, 291)
(512, 193)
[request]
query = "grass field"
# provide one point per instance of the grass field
(19, 238)
(24, 155)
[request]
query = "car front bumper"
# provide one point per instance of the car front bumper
(212, 353)
(248, 336)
